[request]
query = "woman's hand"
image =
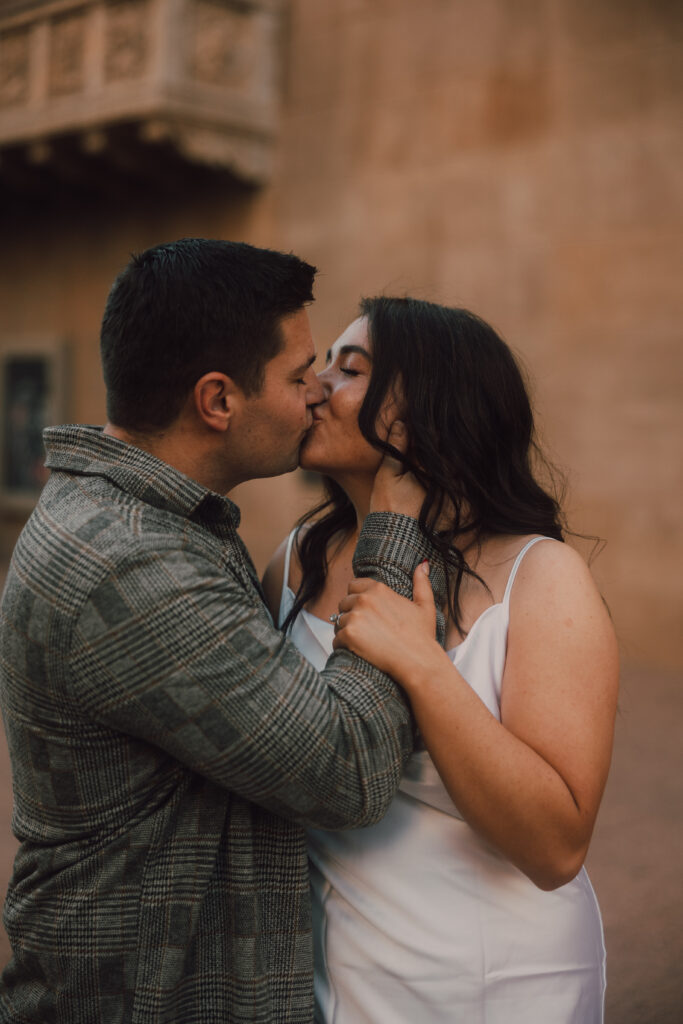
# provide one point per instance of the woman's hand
(395, 490)
(391, 632)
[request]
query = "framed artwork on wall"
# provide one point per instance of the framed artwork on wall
(32, 379)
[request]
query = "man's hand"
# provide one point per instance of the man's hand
(395, 490)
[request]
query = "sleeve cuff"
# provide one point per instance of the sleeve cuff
(389, 549)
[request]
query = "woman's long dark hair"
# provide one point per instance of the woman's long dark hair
(471, 439)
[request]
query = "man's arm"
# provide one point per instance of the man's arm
(179, 654)
(383, 538)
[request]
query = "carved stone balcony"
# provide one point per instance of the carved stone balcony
(122, 82)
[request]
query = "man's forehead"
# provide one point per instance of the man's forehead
(298, 348)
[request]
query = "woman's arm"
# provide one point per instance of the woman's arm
(532, 783)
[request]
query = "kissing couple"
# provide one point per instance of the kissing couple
(360, 791)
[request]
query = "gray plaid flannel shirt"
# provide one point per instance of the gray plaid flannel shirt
(168, 745)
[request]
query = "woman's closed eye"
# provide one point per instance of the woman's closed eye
(354, 364)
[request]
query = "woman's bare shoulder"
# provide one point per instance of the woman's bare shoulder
(553, 577)
(273, 581)
(272, 578)
(552, 557)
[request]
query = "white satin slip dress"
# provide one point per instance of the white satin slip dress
(418, 920)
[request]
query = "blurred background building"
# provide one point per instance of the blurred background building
(518, 157)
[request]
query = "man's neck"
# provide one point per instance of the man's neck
(156, 443)
(178, 448)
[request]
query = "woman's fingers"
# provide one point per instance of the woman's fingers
(359, 584)
(356, 601)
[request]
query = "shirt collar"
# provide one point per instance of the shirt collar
(88, 451)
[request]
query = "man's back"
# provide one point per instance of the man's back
(138, 879)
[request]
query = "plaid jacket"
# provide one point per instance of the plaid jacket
(167, 745)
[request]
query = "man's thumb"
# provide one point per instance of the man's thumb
(422, 588)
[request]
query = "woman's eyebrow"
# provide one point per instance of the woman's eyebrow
(347, 349)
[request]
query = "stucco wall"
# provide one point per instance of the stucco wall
(519, 157)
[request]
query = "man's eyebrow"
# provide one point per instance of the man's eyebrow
(305, 366)
(347, 349)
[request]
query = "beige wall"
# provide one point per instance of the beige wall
(520, 157)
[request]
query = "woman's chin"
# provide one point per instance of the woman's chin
(312, 465)
(311, 461)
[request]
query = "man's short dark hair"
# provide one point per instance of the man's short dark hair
(186, 308)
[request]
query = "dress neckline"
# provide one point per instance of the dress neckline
(456, 647)
(318, 618)
(475, 624)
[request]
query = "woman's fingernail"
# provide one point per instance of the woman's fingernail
(424, 565)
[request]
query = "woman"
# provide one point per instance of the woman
(468, 902)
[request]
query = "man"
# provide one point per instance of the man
(167, 743)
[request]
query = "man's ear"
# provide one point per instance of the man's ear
(216, 397)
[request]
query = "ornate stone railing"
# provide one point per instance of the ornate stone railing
(199, 75)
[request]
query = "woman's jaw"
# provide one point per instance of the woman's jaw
(334, 444)
(335, 449)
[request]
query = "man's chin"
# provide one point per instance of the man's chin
(283, 467)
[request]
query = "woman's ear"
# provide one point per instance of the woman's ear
(215, 398)
(394, 407)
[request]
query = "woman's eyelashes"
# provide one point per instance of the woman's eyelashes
(348, 371)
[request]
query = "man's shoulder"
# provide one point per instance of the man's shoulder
(85, 530)
(99, 519)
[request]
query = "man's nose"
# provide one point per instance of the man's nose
(325, 380)
(315, 393)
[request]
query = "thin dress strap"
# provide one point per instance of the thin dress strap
(515, 567)
(285, 602)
